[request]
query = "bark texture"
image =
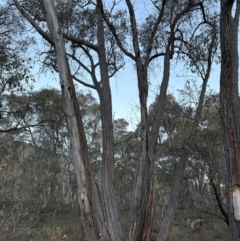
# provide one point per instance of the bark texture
(143, 194)
(94, 227)
(229, 100)
(109, 197)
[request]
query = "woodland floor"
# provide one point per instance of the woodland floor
(64, 226)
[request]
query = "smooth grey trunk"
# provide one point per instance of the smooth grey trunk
(93, 225)
(110, 207)
(229, 102)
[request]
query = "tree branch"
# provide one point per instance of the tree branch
(113, 31)
(45, 35)
(16, 128)
(219, 202)
(155, 56)
(81, 42)
(83, 83)
(154, 31)
(134, 29)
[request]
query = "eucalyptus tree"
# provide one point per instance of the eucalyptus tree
(36, 172)
(203, 183)
(229, 102)
(14, 65)
(200, 62)
(171, 28)
(126, 155)
(211, 162)
(164, 33)
(84, 30)
(94, 227)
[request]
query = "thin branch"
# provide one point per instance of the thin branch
(218, 199)
(154, 30)
(133, 28)
(16, 128)
(93, 67)
(156, 56)
(116, 69)
(113, 31)
(126, 140)
(45, 35)
(84, 83)
(79, 62)
(81, 42)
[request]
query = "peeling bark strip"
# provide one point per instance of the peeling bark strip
(230, 106)
(93, 225)
(235, 192)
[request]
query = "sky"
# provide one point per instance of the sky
(125, 92)
(124, 84)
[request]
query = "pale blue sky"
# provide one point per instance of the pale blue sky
(125, 92)
(124, 84)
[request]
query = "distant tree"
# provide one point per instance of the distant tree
(36, 168)
(14, 65)
(204, 182)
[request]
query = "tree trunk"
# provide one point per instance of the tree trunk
(186, 146)
(93, 225)
(143, 199)
(180, 169)
(143, 209)
(143, 195)
(109, 197)
(230, 107)
(172, 202)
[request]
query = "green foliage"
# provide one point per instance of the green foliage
(38, 174)
(204, 182)
(14, 65)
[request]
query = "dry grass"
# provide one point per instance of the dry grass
(209, 230)
(64, 226)
(41, 227)
(53, 234)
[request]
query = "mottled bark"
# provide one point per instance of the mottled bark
(93, 225)
(229, 101)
